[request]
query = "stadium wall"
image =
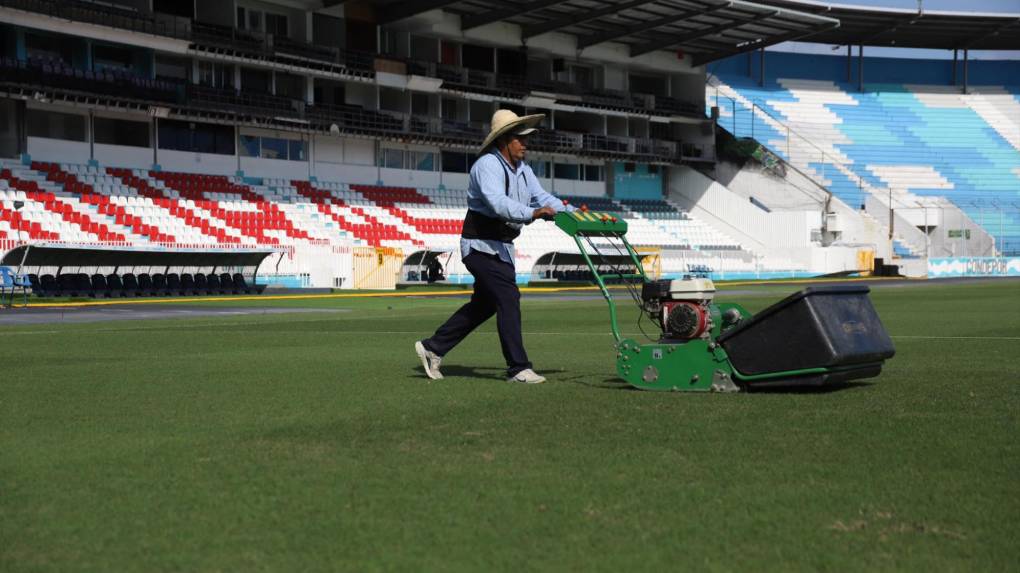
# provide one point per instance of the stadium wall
(876, 70)
(780, 236)
(70, 151)
(123, 156)
(347, 160)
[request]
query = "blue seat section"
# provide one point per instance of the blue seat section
(900, 250)
(890, 125)
(653, 208)
(600, 204)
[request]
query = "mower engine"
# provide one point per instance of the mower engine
(682, 308)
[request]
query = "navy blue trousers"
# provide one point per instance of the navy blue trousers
(495, 292)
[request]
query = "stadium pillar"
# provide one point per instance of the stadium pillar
(891, 222)
(860, 68)
(155, 142)
(965, 61)
(849, 61)
(761, 68)
(237, 146)
(1000, 230)
(92, 135)
(20, 50)
(955, 56)
(927, 235)
(309, 154)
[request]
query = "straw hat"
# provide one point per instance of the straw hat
(505, 121)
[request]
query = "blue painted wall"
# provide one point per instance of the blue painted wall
(637, 184)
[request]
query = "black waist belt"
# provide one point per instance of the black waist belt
(479, 226)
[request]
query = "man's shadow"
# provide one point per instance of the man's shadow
(454, 370)
(484, 373)
(617, 383)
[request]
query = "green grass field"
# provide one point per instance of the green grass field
(312, 442)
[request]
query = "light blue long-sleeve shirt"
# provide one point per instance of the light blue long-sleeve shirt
(487, 194)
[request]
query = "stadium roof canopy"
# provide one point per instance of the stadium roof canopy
(864, 25)
(712, 29)
(706, 29)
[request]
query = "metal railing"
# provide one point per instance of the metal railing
(228, 37)
(754, 127)
(52, 74)
(287, 51)
(185, 100)
(107, 15)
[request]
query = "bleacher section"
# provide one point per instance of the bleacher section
(917, 142)
(90, 204)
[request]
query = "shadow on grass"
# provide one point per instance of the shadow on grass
(453, 370)
(826, 389)
(617, 383)
(614, 383)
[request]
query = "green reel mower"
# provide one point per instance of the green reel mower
(818, 336)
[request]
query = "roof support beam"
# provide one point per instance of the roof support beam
(588, 41)
(970, 43)
(477, 20)
(579, 17)
(751, 46)
(892, 27)
(636, 51)
(401, 10)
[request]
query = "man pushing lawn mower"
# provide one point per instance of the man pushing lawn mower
(503, 195)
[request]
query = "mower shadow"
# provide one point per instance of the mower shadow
(605, 384)
(618, 384)
(841, 387)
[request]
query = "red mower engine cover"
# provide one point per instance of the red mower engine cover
(685, 320)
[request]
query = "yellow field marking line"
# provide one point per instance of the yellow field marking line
(179, 300)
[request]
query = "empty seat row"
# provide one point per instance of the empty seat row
(143, 284)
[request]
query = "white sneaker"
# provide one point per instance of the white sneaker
(527, 376)
(429, 360)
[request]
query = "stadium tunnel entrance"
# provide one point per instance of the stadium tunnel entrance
(425, 267)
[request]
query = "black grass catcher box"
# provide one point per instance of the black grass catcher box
(835, 328)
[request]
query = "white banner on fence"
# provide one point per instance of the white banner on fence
(974, 267)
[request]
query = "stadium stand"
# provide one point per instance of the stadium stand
(88, 203)
(317, 129)
(909, 142)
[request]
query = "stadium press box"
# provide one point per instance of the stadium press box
(590, 223)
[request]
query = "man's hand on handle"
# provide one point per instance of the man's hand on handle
(546, 213)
